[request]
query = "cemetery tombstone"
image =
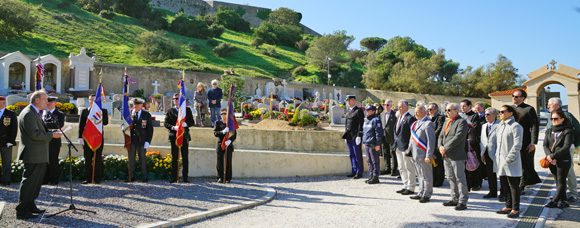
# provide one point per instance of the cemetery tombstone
(117, 97)
(307, 93)
(269, 88)
(336, 113)
(167, 103)
(258, 90)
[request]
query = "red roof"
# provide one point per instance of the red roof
(506, 92)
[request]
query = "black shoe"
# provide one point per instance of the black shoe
(388, 171)
(401, 191)
(416, 197)
(351, 175)
(489, 195)
(26, 215)
(172, 181)
(572, 199)
(129, 180)
(97, 182)
(450, 203)
(424, 200)
(513, 215)
(52, 183)
(407, 192)
(367, 180)
(523, 192)
(86, 182)
(374, 180)
(227, 181)
(145, 180)
(563, 205)
(437, 184)
(460, 207)
(358, 176)
(395, 173)
(551, 204)
(502, 212)
(220, 180)
(476, 188)
(36, 210)
(501, 198)
(185, 180)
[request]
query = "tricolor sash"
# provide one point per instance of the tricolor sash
(416, 138)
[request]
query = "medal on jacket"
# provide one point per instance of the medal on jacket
(143, 123)
(6, 121)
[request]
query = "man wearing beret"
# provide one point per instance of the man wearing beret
(353, 136)
(8, 130)
(141, 135)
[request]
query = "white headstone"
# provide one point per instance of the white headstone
(289, 93)
(156, 85)
(338, 94)
(258, 90)
(323, 94)
(269, 88)
(82, 65)
(264, 106)
(80, 102)
(336, 112)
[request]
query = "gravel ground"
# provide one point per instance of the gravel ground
(121, 204)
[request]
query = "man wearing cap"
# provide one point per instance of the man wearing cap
(170, 123)
(87, 151)
(54, 120)
(8, 130)
(141, 135)
(353, 136)
(372, 136)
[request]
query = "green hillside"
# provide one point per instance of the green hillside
(64, 31)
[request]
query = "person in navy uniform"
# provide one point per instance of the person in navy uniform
(220, 131)
(353, 136)
(8, 131)
(88, 153)
(141, 135)
(372, 137)
(170, 123)
(54, 120)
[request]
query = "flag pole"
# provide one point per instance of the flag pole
(179, 148)
(95, 150)
(126, 84)
(227, 134)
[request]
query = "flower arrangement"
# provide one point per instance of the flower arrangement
(64, 107)
(256, 114)
(341, 105)
(157, 96)
(16, 86)
(17, 108)
(248, 117)
(247, 108)
(303, 118)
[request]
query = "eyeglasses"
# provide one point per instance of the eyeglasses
(488, 114)
(555, 118)
(503, 111)
(386, 104)
(449, 110)
(223, 114)
(175, 98)
(514, 96)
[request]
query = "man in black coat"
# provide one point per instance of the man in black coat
(388, 120)
(141, 135)
(170, 123)
(54, 120)
(438, 120)
(353, 136)
(402, 137)
(8, 131)
(220, 131)
(474, 178)
(87, 151)
(530, 123)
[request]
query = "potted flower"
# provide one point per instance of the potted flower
(15, 86)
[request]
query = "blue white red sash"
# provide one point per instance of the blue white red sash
(416, 138)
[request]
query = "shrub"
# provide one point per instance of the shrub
(212, 42)
(257, 42)
(193, 47)
(224, 49)
(63, 5)
(190, 27)
(279, 34)
(16, 18)
(154, 47)
(154, 20)
(208, 19)
(107, 14)
(217, 30)
(263, 13)
(300, 70)
(302, 45)
(232, 20)
(271, 51)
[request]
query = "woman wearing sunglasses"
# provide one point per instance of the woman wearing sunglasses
(509, 163)
(557, 148)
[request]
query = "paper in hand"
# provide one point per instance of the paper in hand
(67, 129)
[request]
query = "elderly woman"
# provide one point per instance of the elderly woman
(200, 104)
(509, 164)
(557, 146)
(488, 146)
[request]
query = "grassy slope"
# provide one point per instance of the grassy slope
(113, 41)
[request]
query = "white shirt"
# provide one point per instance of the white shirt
(2, 112)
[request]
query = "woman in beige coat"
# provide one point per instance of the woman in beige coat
(509, 164)
(200, 104)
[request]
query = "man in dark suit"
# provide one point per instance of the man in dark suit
(88, 152)
(438, 120)
(353, 136)
(452, 143)
(402, 137)
(214, 95)
(141, 135)
(388, 120)
(54, 120)
(8, 131)
(530, 123)
(170, 123)
(33, 151)
(220, 131)
(474, 178)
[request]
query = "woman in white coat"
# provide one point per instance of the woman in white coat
(509, 164)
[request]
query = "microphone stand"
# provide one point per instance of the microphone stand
(70, 145)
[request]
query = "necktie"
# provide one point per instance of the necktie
(447, 126)
(399, 122)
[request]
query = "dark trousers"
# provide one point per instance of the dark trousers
(6, 154)
(529, 175)
(474, 178)
(355, 154)
(98, 159)
(513, 195)
(220, 161)
(32, 178)
(373, 160)
(52, 171)
(491, 176)
(138, 150)
(390, 157)
(175, 159)
(560, 172)
(439, 171)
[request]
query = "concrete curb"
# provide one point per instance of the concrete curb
(271, 192)
(2, 203)
(544, 215)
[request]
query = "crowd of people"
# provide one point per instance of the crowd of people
(467, 145)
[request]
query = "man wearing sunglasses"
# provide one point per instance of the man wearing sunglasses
(171, 117)
(555, 104)
(389, 119)
(530, 123)
(439, 121)
(402, 141)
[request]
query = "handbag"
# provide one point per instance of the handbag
(544, 161)
(472, 163)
